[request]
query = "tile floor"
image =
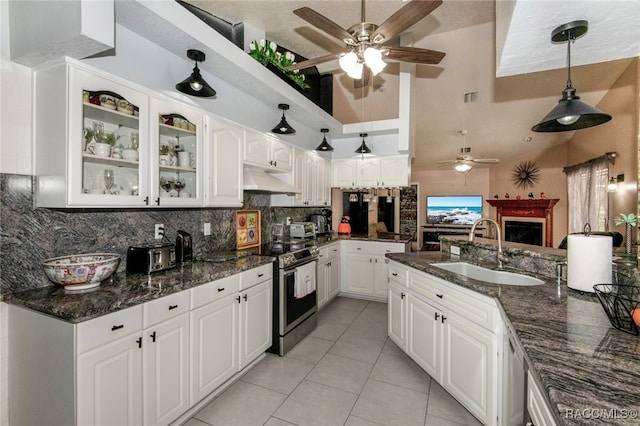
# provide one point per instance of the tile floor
(347, 372)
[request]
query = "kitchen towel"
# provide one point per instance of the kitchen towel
(305, 280)
(589, 261)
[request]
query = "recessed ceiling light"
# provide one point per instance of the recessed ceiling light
(527, 139)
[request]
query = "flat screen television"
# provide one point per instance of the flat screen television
(453, 209)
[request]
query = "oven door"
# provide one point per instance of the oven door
(292, 310)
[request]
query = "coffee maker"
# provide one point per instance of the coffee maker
(184, 247)
(327, 213)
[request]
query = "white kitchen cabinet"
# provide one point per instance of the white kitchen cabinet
(537, 404)
(371, 172)
(267, 152)
(310, 179)
(176, 154)
(365, 268)
(255, 321)
(224, 172)
(328, 279)
(428, 319)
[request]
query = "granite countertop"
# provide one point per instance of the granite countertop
(588, 370)
(122, 291)
(322, 240)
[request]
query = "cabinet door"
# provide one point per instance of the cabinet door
(224, 169)
(344, 173)
(98, 137)
(214, 345)
(424, 330)
(357, 274)
(300, 176)
(469, 366)
(255, 321)
(166, 371)
(257, 149)
(281, 155)
(380, 275)
(394, 171)
(334, 278)
(176, 154)
(322, 283)
(368, 172)
(109, 380)
(308, 184)
(319, 191)
(397, 315)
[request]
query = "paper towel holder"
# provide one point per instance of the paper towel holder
(586, 230)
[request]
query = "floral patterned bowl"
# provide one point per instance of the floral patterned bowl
(81, 271)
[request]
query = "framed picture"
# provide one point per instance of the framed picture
(248, 228)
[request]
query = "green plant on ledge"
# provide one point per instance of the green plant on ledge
(629, 220)
(266, 53)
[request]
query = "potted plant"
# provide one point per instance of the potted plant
(629, 221)
(109, 139)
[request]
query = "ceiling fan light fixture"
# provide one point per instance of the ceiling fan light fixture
(570, 113)
(283, 128)
(324, 145)
(373, 59)
(463, 167)
(195, 85)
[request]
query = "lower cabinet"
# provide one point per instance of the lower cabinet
(145, 365)
(427, 325)
(328, 278)
(537, 405)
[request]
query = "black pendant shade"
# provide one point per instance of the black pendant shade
(363, 148)
(195, 85)
(570, 113)
(283, 128)
(324, 146)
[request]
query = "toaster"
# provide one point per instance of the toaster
(302, 230)
(146, 259)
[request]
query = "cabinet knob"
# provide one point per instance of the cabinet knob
(436, 316)
(402, 295)
(153, 336)
(172, 307)
(394, 274)
(238, 299)
(146, 200)
(220, 289)
(139, 342)
(245, 297)
(439, 296)
(117, 327)
(443, 318)
(158, 201)
(260, 275)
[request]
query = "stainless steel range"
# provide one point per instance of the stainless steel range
(295, 301)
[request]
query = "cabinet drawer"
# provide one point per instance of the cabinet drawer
(334, 251)
(165, 308)
(256, 275)
(375, 248)
(108, 328)
(323, 254)
(215, 290)
(471, 305)
(398, 274)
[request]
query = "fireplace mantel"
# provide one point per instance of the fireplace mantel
(532, 208)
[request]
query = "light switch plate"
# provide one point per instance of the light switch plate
(454, 250)
(206, 229)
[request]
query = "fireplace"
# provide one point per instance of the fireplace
(529, 221)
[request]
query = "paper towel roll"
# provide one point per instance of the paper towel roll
(588, 261)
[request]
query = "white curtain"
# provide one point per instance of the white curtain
(587, 189)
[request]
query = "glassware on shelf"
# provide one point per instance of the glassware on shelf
(166, 185)
(135, 140)
(108, 180)
(179, 185)
(98, 132)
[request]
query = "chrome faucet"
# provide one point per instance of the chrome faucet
(472, 235)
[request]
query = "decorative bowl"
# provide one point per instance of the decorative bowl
(107, 101)
(81, 271)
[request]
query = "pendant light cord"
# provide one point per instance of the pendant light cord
(569, 40)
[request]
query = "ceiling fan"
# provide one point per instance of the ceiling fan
(365, 42)
(465, 161)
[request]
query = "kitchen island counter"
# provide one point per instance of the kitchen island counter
(122, 291)
(588, 370)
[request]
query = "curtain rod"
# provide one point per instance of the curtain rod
(610, 156)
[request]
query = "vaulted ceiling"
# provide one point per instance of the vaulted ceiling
(531, 69)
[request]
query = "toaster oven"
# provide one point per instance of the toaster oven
(302, 230)
(150, 258)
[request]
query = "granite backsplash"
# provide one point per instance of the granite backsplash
(29, 235)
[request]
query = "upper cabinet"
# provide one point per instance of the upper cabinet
(371, 172)
(311, 177)
(267, 152)
(224, 158)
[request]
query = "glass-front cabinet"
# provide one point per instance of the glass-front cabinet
(176, 154)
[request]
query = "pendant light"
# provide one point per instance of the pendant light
(283, 128)
(363, 148)
(324, 146)
(195, 85)
(570, 113)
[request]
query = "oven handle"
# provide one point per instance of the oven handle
(290, 270)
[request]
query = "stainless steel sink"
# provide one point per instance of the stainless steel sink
(488, 275)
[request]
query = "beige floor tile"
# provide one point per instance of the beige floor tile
(357, 421)
(442, 405)
(368, 330)
(329, 331)
(195, 422)
(357, 348)
(315, 404)
(392, 349)
(336, 313)
(310, 349)
(242, 404)
(281, 374)
(339, 372)
(350, 303)
(439, 421)
(401, 371)
(390, 404)
(274, 421)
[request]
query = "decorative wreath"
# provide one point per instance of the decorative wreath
(525, 174)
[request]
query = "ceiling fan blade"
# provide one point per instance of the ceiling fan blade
(414, 54)
(485, 160)
(405, 17)
(323, 23)
(314, 61)
(364, 81)
(447, 162)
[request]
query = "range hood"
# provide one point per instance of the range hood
(259, 180)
